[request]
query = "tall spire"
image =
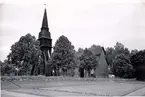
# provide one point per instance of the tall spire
(45, 45)
(45, 23)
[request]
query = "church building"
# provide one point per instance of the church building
(46, 47)
(101, 69)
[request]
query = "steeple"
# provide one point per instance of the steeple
(44, 29)
(45, 45)
(44, 22)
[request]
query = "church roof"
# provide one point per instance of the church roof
(45, 23)
(45, 34)
(97, 50)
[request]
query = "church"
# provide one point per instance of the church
(46, 48)
(101, 69)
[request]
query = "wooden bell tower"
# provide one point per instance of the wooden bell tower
(45, 45)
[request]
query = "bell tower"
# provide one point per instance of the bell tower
(45, 45)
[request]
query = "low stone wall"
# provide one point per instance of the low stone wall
(61, 78)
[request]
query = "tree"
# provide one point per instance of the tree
(77, 55)
(88, 61)
(24, 54)
(79, 52)
(122, 66)
(133, 52)
(7, 69)
(138, 62)
(111, 52)
(1, 67)
(35, 57)
(63, 56)
(120, 49)
(110, 55)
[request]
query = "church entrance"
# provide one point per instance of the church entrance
(81, 70)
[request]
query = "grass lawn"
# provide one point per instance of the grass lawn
(71, 87)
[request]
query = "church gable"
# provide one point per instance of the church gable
(102, 68)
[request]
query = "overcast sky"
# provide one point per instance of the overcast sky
(84, 22)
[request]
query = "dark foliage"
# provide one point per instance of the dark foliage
(122, 66)
(138, 62)
(88, 60)
(63, 56)
(25, 54)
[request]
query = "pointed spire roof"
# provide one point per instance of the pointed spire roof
(45, 22)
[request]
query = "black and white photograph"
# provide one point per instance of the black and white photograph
(72, 48)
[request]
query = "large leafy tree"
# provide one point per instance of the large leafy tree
(118, 49)
(25, 54)
(88, 61)
(63, 55)
(122, 66)
(138, 62)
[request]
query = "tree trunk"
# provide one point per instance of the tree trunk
(88, 72)
(32, 70)
(35, 70)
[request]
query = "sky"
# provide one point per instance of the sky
(84, 22)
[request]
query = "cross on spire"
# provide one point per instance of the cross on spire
(45, 5)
